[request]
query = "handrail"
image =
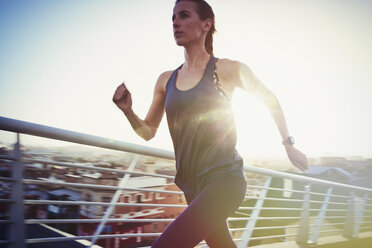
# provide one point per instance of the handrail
(34, 129)
(24, 127)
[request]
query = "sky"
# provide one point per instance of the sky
(61, 61)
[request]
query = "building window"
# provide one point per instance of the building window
(155, 227)
(126, 199)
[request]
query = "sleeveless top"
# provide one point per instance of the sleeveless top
(202, 127)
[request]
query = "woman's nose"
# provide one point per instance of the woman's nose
(175, 23)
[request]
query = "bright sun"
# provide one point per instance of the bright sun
(257, 133)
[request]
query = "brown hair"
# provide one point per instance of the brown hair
(205, 11)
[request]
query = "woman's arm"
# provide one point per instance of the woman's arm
(243, 77)
(249, 82)
(145, 128)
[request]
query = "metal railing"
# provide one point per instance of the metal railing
(313, 208)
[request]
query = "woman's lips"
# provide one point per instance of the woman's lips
(177, 33)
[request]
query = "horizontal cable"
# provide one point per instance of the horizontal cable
(340, 196)
(335, 203)
(333, 230)
(121, 172)
(237, 229)
(304, 179)
(7, 179)
(46, 221)
(3, 242)
(271, 208)
(332, 217)
(293, 200)
(204, 243)
(340, 210)
(6, 201)
(366, 227)
(277, 189)
(274, 227)
(334, 224)
(93, 186)
(102, 236)
(6, 157)
(273, 236)
(263, 228)
(5, 222)
(47, 202)
(291, 217)
(265, 218)
(275, 199)
(333, 195)
(295, 191)
(49, 221)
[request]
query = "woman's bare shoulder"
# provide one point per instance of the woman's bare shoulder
(229, 67)
(227, 62)
(228, 70)
(162, 80)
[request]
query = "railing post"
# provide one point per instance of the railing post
(17, 225)
(360, 215)
(114, 199)
(319, 221)
(303, 229)
(246, 235)
(350, 217)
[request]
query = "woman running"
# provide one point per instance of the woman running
(196, 98)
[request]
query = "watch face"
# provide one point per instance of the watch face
(289, 141)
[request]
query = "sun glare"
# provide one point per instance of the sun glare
(257, 133)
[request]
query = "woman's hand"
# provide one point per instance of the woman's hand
(122, 98)
(297, 158)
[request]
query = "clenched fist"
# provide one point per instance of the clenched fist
(122, 98)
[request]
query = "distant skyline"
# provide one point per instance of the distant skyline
(61, 62)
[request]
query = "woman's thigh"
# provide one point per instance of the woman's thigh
(206, 212)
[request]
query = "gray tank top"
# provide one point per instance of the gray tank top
(202, 127)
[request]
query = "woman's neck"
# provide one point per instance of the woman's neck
(195, 57)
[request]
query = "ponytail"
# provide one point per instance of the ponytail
(209, 43)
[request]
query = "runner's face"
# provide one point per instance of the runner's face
(187, 26)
